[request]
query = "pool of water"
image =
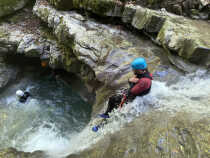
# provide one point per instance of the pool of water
(49, 119)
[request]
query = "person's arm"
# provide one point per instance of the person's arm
(132, 81)
(137, 88)
(27, 94)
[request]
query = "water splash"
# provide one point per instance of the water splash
(48, 139)
(191, 93)
(46, 121)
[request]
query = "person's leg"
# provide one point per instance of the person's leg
(113, 103)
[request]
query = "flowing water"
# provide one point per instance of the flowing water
(47, 120)
(189, 93)
(56, 119)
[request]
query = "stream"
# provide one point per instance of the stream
(57, 117)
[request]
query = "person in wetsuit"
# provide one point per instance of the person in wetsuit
(140, 85)
(22, 96)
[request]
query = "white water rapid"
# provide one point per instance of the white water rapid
(56, 121)
(190, 93)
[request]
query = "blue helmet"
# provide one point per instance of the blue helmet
(139, 63)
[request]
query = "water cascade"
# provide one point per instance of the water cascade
(189, 94)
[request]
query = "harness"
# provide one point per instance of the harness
(128, 96)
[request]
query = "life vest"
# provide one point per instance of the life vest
(141, 76)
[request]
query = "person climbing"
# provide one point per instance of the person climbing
(140, 85)
(22, 96)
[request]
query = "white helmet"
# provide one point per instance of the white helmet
(19, 93)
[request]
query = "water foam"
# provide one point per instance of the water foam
(48, 140)
(191, 93)
(42, 123)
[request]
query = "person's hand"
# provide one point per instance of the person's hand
(133, 80)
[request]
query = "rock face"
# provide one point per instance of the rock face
(107, 50)
(13, 153)
(23, 35)
(102, 7)
(178, 34)
(158, 135)
(192, 8)
(10, 6)
(7, 73)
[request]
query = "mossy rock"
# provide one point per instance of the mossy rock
(10, 6)
(148, 20)
(13, 153)
(178, 34)
(100, 7)
(186, 38)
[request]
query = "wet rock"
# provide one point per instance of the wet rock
(149, 20)
(177, 33)
(128, 13)
(22, 34)
(13, 153)
(102, 7)
(10, 6)
(186, 38)
(156, 134)
(107, 50)
(179, 7)
(7, 73)
(116, 8)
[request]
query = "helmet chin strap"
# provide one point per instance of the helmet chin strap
(137, 72)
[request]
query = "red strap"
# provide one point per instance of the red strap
(123, 100)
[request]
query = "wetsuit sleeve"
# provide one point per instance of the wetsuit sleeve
(27, 94)
(22, 100)
(138, 88)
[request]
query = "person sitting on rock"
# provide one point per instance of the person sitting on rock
(22, 96)
(140, 84)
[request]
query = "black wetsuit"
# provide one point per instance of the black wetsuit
(24, 97)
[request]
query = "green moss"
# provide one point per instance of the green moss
(101, 96)
(62, 4)
(45, 13)
(101, 7)
(46, 33)
(3, 34)
(7, 3)
(9, 6)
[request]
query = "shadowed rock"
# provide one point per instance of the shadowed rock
(10, 6)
